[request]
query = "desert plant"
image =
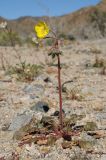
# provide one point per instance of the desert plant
(98, 62)
(62, 35)
(49, 42)
(25, 72)
(42, 30)
(75, 94)
(95, 50)
(9, 37)
(71, 37)
(103, 71)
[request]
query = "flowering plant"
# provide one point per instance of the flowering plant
(42, 30)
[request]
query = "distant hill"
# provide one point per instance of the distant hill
(86, 23)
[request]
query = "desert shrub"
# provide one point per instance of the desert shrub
(96, 51)
(103, 71)
(24, 71)
(49, 42)
(74, 94)
(71, 37)
(9, 39)
(98, 62)
(28, 40)
(62, 35)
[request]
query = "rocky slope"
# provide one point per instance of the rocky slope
(85, 23)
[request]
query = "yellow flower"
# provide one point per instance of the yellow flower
(41, 29)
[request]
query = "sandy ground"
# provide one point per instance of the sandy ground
(77, 65)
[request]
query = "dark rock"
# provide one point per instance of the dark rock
(67, 137)
(5, 127)
(56, 113)
(40, 107)
(47, 80)
(78, 127)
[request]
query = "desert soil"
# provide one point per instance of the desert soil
(89, 87)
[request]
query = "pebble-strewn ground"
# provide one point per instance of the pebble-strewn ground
(89, 87)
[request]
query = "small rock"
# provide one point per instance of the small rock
(47, 80)
(66, 144)
(40, 107)
(20, 121)
(103, 157)
(56, 113)
(34, 90)
(5, 127)
(29, 128)
(67, 137)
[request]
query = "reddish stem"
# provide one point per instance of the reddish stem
(60, 91)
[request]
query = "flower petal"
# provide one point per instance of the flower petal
(41, 29)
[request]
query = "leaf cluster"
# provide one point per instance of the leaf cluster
(25, 72)
(54, 53)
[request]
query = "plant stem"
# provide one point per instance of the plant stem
(60, 91)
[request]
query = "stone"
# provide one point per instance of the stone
(40, 107)
(56, 113)
(5, 127)
(47, 79)
(103, 157)
(20, 121)
(66, 145)
(25, 129)
(34, 90)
